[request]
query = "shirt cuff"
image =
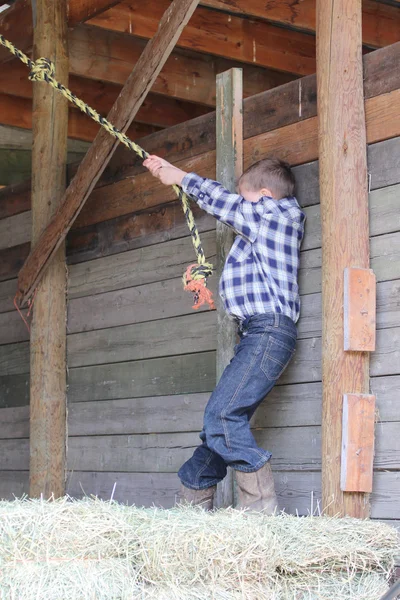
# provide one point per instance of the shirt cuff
(191, 184)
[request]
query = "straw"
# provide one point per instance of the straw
(94, 550)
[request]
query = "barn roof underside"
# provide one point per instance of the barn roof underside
(274, 42)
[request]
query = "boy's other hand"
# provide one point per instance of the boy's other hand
(163, 170)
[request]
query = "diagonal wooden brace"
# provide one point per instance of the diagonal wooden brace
(92, 166)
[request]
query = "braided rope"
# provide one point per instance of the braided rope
(43, 70)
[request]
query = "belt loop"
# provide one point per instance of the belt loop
(276, 321)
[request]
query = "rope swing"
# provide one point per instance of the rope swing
(195, 277)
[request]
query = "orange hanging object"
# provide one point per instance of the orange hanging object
(198, 287)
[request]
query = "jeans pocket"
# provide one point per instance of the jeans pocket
(276, 358)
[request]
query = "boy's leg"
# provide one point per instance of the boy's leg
(265, 349)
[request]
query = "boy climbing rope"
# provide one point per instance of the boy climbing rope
(259, 289)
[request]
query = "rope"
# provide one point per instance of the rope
(195, 277)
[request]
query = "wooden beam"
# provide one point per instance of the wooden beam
(16, 24)
(380, 22)
(216, 33)
(82, 10)
(121, 115)
(157, 110)
(345, 228)
(229, 167)
(48, 386)
(16, 21)
(15, 138)
(17, 112)
(107, 56)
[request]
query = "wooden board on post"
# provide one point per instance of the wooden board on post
(359, 310)
(357, 443)
(229, 158)
(48, 331)
(345, 228)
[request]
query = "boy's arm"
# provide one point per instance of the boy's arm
(211, 196)
(228, 208)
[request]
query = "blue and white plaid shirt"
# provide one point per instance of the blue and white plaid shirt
(260, 273)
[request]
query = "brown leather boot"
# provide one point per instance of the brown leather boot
(256, 491)
(203, 498)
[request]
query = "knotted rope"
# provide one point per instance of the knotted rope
(195, 277)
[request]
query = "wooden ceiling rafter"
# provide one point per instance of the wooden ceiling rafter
(380, 26)
(17, 112)
(213, 32)
(158, 111)
(107, 56)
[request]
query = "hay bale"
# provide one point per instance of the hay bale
(97, 550)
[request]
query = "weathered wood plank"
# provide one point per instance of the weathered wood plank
(154, 377)
(385, 262)
(286, 406)
(135, 267)
(135, 230)
(115, 380)
(12, 259)
(232, 37)
(15, 230)
(292, 405)
(181, 335)
(7, 293)
(13, 484)
(165, 452)
(384, 207)
(386, 390)
(141, 489)
(296, 143)
(385, 499)
(158, 300)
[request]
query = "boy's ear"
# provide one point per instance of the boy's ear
(266, 192)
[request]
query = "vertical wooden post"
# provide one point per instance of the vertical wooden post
(345, 232)
(48, 331)
(229, 122)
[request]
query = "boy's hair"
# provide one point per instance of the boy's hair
(270, 173)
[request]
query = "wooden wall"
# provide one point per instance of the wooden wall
(142, 363)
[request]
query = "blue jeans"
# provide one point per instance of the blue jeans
(267, 343)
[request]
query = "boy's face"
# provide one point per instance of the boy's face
(251, 195)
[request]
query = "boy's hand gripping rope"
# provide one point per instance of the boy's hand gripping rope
(195, 277)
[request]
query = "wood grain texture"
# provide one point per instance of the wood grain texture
(157, 110)
(120, 307)
(216, 33)
(229, 167)
(295, 143)
(380, 22)
(107, 56)
(165, 222)
(263, 112)
(48, 385)
(359, 307)
(121, 115)
(82, 10)
(345, 227)
(357, 443)
(165, 452)
(17, 112)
